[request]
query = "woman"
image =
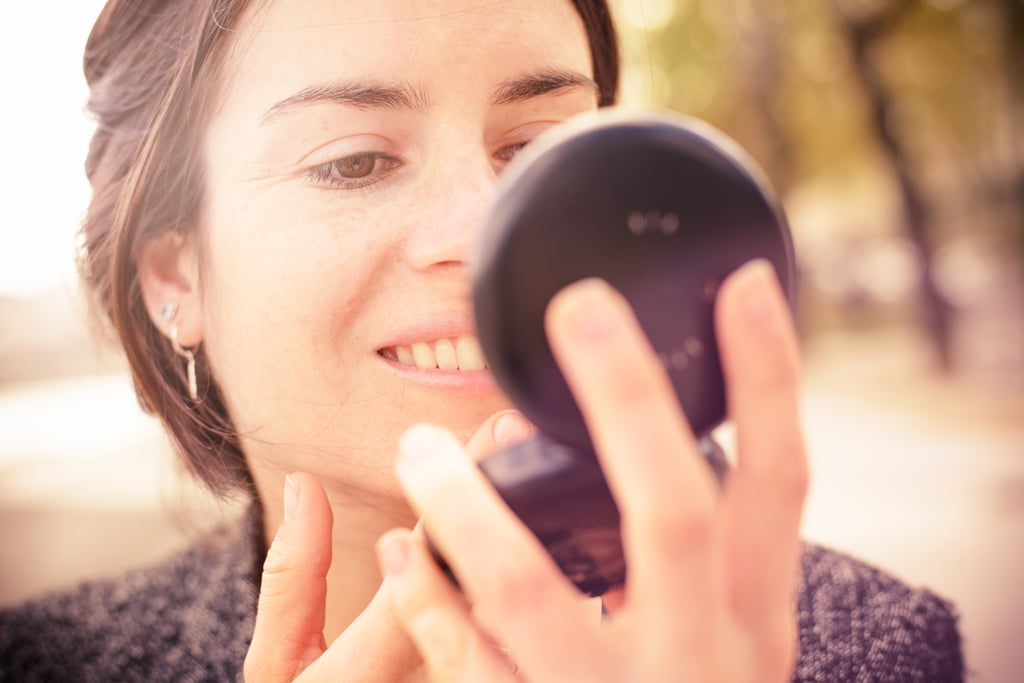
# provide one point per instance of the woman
(285, 194)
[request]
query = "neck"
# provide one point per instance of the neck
(359, 520)
(354, 577)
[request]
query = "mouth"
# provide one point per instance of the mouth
(447, 353)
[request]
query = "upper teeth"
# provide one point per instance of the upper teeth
(459, 353)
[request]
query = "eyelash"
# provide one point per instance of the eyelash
(324, 174)
(516, 147)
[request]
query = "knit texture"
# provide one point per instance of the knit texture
(190, 620)
(860, 624)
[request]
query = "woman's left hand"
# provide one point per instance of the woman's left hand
(712, 576)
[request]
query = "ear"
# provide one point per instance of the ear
(168, 267)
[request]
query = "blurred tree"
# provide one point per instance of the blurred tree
(864, 28)
(906, 117)
(1013, 10)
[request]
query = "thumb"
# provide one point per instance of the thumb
(500, 430)
(293, 591)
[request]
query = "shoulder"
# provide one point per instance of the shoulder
(187, 618)
(858, 623)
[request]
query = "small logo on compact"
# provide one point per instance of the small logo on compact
(653, 223)
(679, 358)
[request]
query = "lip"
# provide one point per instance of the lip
(447, 324)
(473, 381)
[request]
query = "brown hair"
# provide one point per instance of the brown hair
(153, 70)
(604, 47)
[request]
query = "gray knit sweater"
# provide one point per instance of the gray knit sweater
(190, 619)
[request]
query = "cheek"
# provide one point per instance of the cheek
(285, 285)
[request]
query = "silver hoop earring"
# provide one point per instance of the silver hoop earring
(168, 311)
(507, 653)
(190, 363)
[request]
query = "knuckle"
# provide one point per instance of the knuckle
(519, 589)
(277, 561)
(277, 568)
(626, 373)
(285, 581)
(787, 475)
(679, 527)
(639, 384)
(784, 464)
(445, 647)
(797, 478)
(279, 558)
(780, 376)
(416, 607)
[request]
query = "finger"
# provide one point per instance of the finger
(436, 616)
(290, 613)
(501, 430)
(665, 492)
(373, 649)
(764, 495)
(518, 592)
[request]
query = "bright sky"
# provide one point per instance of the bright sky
(44, 137)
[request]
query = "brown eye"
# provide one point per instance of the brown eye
(357, 166)
(354, 172)
(506, 153)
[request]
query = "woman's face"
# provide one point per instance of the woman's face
(350, 163)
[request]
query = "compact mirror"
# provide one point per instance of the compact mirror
(661, 207)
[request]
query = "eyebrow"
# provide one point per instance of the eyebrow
(369, 95)
(358, 94)
(534, 85)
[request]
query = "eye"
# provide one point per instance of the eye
(358, 166)
(354, 171)
(506, 153)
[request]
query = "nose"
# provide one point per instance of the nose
(458, 195)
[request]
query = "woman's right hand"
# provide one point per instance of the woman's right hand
(288, 642)
(713, 571)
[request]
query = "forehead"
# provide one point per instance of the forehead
(281, 44)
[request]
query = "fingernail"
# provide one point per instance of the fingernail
(393, 551)
(291, 498)
(510, 428)
(758, 293)
(589, 310)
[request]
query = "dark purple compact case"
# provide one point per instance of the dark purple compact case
(661, 207)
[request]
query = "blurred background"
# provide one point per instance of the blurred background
(893, 131)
